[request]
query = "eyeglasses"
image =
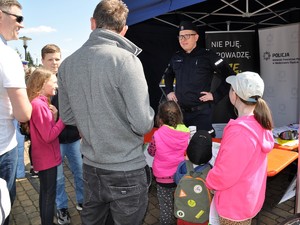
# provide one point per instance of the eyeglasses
(185, 36)
(19, 19)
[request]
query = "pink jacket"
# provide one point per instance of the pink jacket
(169, 148)
(44, 135)
(240, 171)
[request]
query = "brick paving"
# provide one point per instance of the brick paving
(25, 210)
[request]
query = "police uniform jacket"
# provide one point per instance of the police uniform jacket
(194, 73)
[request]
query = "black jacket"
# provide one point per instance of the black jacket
(194, 73)
(70, 133)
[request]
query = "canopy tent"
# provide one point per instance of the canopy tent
(157, 33)
(143, 10)
(216, 14)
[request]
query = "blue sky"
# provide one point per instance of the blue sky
(65, 23)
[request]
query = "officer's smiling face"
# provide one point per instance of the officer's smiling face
(188, 40)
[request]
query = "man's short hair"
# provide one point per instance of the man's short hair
(50, 48)
(111, 15)
(7, 4)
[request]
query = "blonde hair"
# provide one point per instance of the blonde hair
(36, 82)
(262, 113)
(7, 4)
(28, 72)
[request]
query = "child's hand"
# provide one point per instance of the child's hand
(54, 111)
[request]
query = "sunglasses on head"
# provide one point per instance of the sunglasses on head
(19, 19)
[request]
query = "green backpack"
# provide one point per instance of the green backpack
(192, 198)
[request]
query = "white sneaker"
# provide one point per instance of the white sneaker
(79, 206)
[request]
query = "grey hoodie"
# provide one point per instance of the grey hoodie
(103, 91)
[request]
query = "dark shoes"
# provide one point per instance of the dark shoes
(34, 174)
(63, 216)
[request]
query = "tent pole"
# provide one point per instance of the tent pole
(228, 25)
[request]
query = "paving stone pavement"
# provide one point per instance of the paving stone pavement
(25, 210)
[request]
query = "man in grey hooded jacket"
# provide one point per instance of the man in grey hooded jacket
(104, 93)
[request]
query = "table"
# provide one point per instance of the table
(148, 136)
(278, 159)
(288, 148)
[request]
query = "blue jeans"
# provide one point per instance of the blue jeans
(20, 146)
(123, 193)
(8, 167)
(47, 195)
(72, 152)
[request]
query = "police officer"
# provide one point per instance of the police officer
(194, 68)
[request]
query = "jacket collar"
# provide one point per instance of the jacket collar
(114, 38)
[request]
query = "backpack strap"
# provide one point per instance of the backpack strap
(190, 168)
(200, 169)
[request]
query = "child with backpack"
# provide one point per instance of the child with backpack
(192, 199)
(168, 146)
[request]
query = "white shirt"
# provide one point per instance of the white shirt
(11, 76)
(5, 205)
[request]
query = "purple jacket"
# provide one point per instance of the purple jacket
(44, 133)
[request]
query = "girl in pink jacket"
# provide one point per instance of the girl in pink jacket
(168, 147)
(44, 130)
(239, 174)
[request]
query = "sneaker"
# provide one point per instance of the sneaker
(63, 216)
(34, 174)
(79, 206)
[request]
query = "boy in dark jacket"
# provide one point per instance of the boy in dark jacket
(69, 141)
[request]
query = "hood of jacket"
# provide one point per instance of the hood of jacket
(112, 38)
(259, 135)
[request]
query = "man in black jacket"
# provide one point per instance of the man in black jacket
(194, 69)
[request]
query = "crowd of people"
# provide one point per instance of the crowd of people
(93, 108)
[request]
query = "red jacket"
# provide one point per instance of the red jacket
(44, 133)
